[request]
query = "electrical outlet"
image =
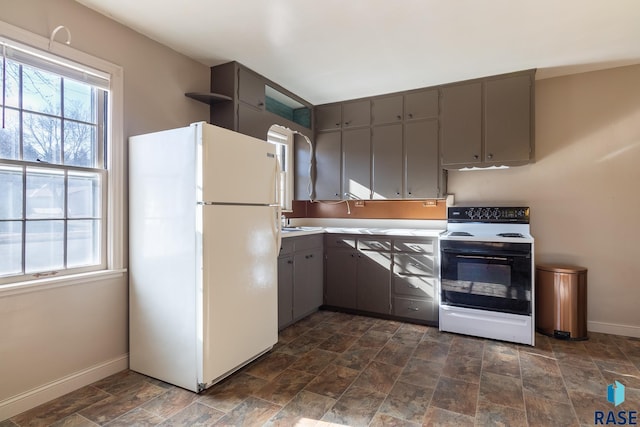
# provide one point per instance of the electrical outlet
(430, 203)
(359, 204)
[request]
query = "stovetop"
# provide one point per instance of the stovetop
(489, 224)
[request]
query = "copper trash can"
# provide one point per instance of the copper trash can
(561, 301)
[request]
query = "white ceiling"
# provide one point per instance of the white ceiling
(333, 50)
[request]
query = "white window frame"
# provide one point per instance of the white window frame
(281, 136)
(115, 239)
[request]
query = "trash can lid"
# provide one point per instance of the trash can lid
(561, 268)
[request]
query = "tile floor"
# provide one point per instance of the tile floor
(339, 369)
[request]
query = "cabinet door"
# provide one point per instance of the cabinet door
(328, 117)
(328, 165)
(356, 113)
(387, 161)
(386, 109)
(253, 122)
(307, 282)
(356, 161)
(461, 124)
(507, 114)
(421, 105)
(421, 159)
(301, 169)
(251, 88)
(285, 291)
(373, 281)
(340, 278)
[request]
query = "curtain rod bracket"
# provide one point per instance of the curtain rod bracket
(55, 31)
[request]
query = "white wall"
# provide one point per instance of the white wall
(583, 189)
(55, 340)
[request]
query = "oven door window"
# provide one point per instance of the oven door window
(486, 276)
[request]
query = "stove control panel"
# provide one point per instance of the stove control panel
(501, 214)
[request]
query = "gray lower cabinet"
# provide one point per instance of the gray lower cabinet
(393, 276)
(415, 279)
(357, 273)
(340, 262)
(373, 275)
(300, 278)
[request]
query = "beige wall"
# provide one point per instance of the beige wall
(55, 340)
(584, 189)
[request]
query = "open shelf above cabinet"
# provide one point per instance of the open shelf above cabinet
(208, 97)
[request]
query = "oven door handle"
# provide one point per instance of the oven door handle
(496, 255)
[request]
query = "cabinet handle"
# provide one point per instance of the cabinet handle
(409, 192)
(347, 123)
(338, 124)
(475, 156)
(490, 156)
(410, 115)
(260, 104)
(413, 309)
(399, 116)
(397, 193)
(352, 255)
(412, 286)
(336, 194)
(289, 262)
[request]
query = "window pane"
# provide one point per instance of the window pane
(78, 101)
(79, 144)
(10, 192)
(41, 91)
(10, 135)
(83, 243)
(84, 195)
(10, 247)
(12, 94)
(44, 246)
(45, 193)
(41, 138)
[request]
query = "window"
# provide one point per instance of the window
(55, 127)
(283, 139)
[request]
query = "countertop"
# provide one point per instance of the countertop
(418, 232)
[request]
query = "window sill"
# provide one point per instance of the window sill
(57, 282)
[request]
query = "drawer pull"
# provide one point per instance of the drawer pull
(412, 286)
(413, 309)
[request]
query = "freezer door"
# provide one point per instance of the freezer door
(240, 313)
(236, 168)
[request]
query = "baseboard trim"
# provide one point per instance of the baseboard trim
(30, 399)
(615, 329)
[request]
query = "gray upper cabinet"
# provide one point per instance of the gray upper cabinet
(386, 109)
(356, 163)
(461, 124)
(488, 122)
(387, 161)
(328, 117)
(356, 113)
(421, 104)
(422, 169)
(507, 111)
(328, 156)
(251, 88)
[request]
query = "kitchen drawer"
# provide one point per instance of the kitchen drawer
(374, 245)
(415, 286)
(286, 247)
(340, 241)
(422, 309)
(417, 246)
(307, 242)
(413, 264)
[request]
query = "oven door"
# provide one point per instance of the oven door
(493, 276)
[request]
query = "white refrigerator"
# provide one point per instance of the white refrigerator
(204, 231)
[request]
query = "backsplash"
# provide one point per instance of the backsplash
(371, 209)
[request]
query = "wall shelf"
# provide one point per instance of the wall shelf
(208, 97)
